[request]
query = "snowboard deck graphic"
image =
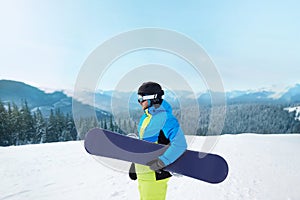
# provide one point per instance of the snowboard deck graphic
(207, 167)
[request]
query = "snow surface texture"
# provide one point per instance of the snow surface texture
(260, 167)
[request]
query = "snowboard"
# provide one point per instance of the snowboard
(206, 167)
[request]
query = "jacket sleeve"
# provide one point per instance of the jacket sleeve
(178, 143)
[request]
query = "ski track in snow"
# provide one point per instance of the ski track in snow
(260, 167)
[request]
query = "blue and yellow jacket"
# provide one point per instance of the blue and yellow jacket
(158, 125)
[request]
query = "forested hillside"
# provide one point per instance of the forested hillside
(20, 125)
(28, 115)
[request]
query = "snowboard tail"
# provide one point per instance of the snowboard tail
(207, 167)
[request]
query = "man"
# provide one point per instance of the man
(157, 125)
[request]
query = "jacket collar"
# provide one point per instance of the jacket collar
(164, 107)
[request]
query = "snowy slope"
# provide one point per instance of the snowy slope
(261, 167)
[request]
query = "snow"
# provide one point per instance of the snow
(261, 167)
(295, 109)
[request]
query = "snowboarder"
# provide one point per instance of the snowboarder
(157, 125)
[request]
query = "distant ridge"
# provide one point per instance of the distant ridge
(14, 91)
(18, 92)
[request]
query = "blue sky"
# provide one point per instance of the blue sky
(254, 44)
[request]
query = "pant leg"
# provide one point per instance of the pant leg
(153, 190)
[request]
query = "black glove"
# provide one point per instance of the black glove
(132, 173)
(156, 165)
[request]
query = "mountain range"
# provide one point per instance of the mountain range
(18, 92)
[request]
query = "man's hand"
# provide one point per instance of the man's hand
(156, 165)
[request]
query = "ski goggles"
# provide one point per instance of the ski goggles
(146, 97)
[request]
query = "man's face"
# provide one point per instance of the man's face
(144, 104)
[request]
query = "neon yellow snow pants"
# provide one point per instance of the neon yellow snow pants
(149, 187)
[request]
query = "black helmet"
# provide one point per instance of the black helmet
(152, 88)
(149, 88)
